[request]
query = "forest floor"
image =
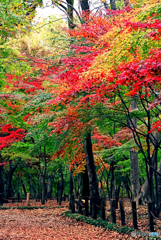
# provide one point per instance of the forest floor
(48, 223)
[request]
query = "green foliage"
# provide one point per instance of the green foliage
(155, 11)
(98, 222)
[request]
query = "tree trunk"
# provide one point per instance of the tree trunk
(159, 189)
(49, 189)
(43, 180)
(70, 4)
(32, 188)
(134, 174)
(113, 4)
(126, 185)
(143, 196)
(23, 186)
(85, 10)
(10, 174)
(112, 181)
(39, 187)
(43, 190)
(134, 163)
(70, 190)
(71, 183)
(108, 190)
(93, 183)
(86, 192)
(84, 5)
(61, 182)
(79, 180)
(1, 182)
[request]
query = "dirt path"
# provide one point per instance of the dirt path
(47, 224)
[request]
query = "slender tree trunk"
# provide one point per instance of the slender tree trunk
(71, 183)
(86, 192)
(134, 174)
(84, 5)
(23, 186)
(79, 180)
(61, 182)
(1, 182)
(70, 190)
(43, 179)
(155, 162)
(31, 187)
(112, 181)
(49, 189)
(70, 14)
(93, 183)
(151, 158)
(134, 163)
(43, 190)
(156, 178)
(108, 190)
(126, 185)
(113, 4)
(10, 174)
(151, 187)
(85, 10)
(143, 196)
(39, 187)
(159, 189)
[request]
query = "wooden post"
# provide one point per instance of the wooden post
(86, 206)
(73, 205)
(79, 205)
(151, 224)
(28, 199)
(122, 213)
(103, 208)
(113, 211)
(134, 215)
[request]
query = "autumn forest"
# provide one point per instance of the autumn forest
(80, 120)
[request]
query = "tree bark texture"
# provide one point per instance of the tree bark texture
(49, 189)
(10, 174)
(84, 5)
(134, 174)
(43, 180)
(70, 4)
(112, 181)
(93, 183)
(134, 162)
(113, 4)
(159, 189)
(1, 182)
(23, 186)
(86, 192)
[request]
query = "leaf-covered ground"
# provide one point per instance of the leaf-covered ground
(47, 223)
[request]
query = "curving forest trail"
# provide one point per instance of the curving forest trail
(47, 224)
